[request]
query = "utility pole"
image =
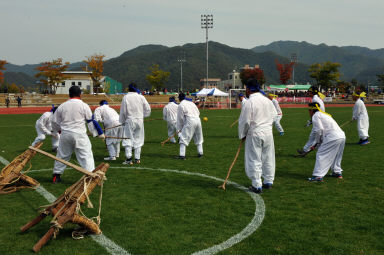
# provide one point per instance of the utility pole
(206, 23)
(293, 60)
(181, 60)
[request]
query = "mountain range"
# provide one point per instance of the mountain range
(356, 63)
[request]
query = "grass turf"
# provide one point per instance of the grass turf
(151, 212)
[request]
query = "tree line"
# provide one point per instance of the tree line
(50, 74)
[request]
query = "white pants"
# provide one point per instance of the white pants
(171, 126)
(69, 142)
(329, 155)
(41, 137)
(362, 127)
(260, 158)
(113, 145)
(191, 129)
(277, 123)
(133, 129)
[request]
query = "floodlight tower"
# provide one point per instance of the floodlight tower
(181, 60)
(206, 23)
(293, 60)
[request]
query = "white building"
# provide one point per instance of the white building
(78, 78)
(233, 82)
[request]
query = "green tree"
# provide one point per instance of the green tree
(256, 73)
(343, 86)
(157, 78)
(325, 74)
(13, 88)
(51, 73)
(96, 64)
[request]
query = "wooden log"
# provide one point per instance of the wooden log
(64, 208)
(11, 178)
(29, 180)
(33, 222)
(61, 220)
(86, 223)
(44, 240)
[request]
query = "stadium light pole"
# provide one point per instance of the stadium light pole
(206, 23)
(293, 60)
(181, 60)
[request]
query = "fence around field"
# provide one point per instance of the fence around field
(159, 101)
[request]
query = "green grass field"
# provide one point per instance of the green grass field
(146, 211)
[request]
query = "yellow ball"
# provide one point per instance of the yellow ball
(205, 119)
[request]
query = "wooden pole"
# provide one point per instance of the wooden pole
(346, 123)
(234, 123)
(114, 137)
(233, 163)
(169, 138)
(80, 169)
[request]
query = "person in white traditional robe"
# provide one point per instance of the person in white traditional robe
(189, 126)
(170, 116)
(332, 141)
(44, 127)
(360, 114)
(242, 99)
(255, 127)
(110, 119)
(316, 98)
(278, 126)
(134, 108)
(71, 117)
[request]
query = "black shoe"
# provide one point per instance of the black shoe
(180, 157)
(339, 176)
(137, 161)
(267, 186)
(256, 190)
(56, 178)
(128, 162)
(199, 155)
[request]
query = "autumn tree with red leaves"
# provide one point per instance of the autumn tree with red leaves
(51, 73)
(249, 73)
(96, 64)
(2, 63)
(285, 71)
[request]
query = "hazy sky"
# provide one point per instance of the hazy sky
(32, 31)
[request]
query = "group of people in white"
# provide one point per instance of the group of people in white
(66, 125)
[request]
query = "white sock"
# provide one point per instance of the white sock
(111, 150)
(182, 150)
(200, 149)
(128, 152)
(137, 153)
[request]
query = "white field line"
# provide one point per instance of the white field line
(246, 232)
(16, 126)
(46, 194)
(4, 161)
(101, 239)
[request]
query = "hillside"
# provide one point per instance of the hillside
(356, 62)
(134, 64)
(20, 78)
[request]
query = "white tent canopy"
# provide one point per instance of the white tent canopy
(211, 92)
